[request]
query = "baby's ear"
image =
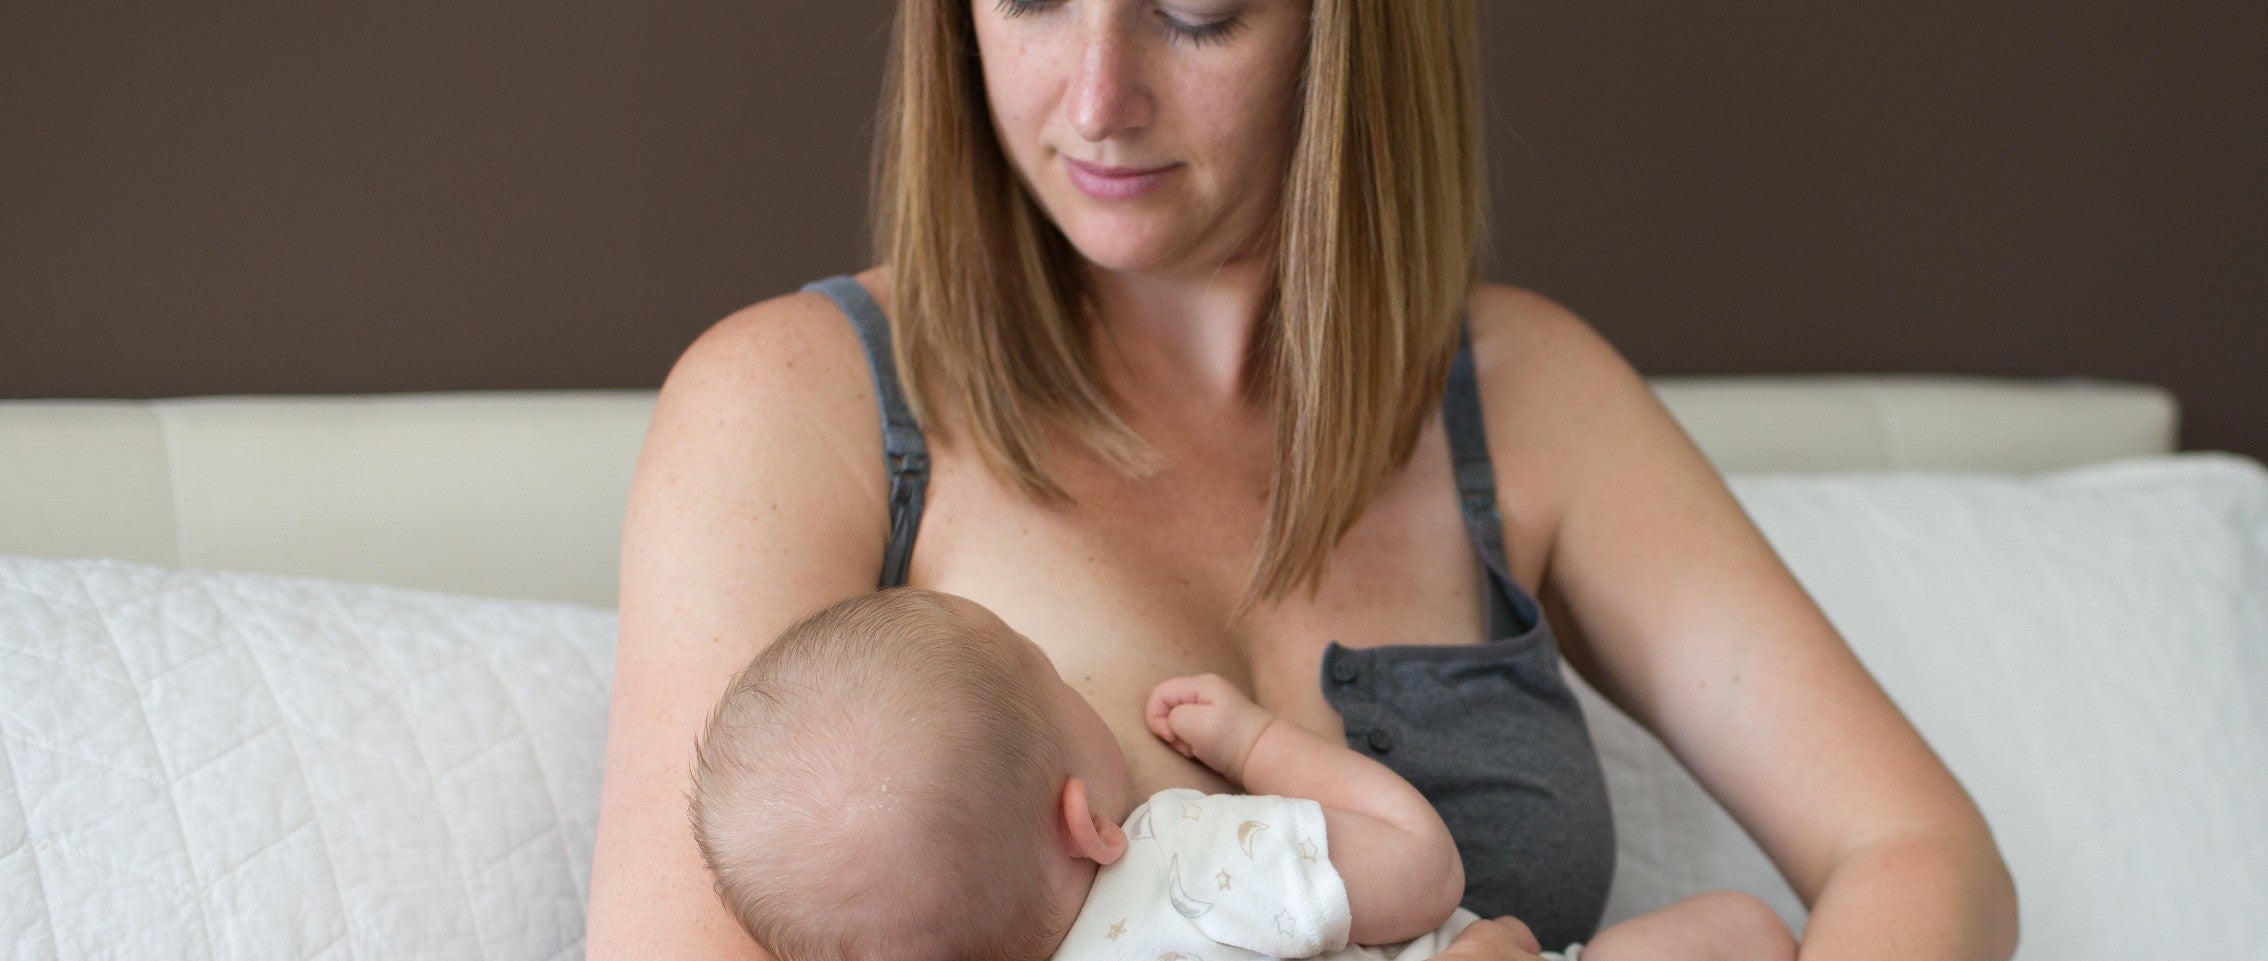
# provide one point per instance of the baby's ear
(1096, 839)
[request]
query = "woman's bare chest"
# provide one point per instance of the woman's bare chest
(1134, 584)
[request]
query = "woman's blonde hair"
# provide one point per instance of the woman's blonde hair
(1379, 232)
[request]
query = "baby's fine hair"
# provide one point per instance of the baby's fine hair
(880, 784)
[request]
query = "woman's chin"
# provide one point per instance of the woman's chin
(1122, 246)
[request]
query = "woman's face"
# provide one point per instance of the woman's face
(1199, 97)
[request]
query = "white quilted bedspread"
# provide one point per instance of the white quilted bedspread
(205, 765)
(198, 765)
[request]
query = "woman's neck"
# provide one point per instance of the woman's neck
(1186, 337)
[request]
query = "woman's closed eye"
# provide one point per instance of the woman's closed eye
(1200, 34)
(1194, 34)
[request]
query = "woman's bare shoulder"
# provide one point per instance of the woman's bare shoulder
(1549, 382)
(1522, 337)
(766, 442)
(781, 379)
(795, 344)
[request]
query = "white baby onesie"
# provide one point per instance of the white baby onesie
(1230, 877)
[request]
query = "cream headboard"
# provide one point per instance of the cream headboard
(521, 493)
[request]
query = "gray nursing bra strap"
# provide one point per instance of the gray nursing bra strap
(904, 451)
(1510, 609)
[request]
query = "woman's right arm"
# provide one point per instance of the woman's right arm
(759, 497)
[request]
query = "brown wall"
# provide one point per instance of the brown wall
(218, 197)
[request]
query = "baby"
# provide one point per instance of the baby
(902, 777)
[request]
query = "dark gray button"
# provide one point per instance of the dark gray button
(1345, 671)
(1381, 741)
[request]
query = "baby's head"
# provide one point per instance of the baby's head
(902, 777)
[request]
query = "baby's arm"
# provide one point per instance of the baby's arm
(1399, 864)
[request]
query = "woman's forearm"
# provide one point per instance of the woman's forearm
(1915, 897)
(1912, 898)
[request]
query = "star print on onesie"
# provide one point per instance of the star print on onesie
(1228, 877)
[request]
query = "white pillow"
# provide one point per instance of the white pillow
(2087, 651)
(204, 765)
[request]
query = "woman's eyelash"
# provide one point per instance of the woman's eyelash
(1202, 34)
(1197, 34)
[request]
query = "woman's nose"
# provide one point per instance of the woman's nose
(1108, 97)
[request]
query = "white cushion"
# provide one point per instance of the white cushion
(2087, 651)
(205, 765)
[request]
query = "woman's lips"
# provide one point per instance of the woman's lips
(1115, 183)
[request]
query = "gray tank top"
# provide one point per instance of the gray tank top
(1489, 732)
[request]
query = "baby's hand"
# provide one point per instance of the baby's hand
(1205, 717)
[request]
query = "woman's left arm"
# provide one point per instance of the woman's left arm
(1670, 602)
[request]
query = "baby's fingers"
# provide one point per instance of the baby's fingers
(1163, 699)
(1156, 716)
(1176, 691)
(1169, 694)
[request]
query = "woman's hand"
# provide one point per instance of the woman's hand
(1504, 939)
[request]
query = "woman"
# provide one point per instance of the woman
(1171, 338)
